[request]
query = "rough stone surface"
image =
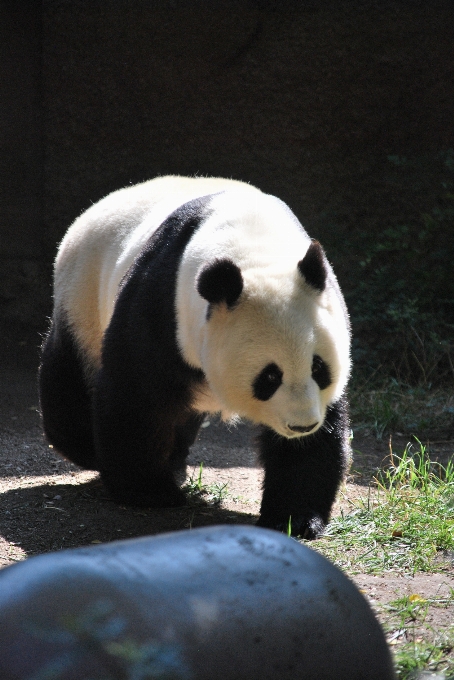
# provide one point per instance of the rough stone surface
(220, 602)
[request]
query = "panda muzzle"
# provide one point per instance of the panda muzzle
(302, 428)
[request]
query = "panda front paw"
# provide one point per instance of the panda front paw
(165, 495)
(303, 526)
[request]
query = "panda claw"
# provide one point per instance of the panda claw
(301, 527)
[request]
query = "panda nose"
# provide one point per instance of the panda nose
(302, 428)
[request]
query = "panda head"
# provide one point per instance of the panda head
(275, 348)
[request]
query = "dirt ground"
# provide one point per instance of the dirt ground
(48, 504)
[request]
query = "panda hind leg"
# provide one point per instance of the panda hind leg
(65, 402)
(185, 436)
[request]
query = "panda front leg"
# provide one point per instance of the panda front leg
(302, 476)
(135, 439)
(185, 435)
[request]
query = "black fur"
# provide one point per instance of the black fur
(302, 475)
(185, 436)
(134, 423)
(142, 421)
(220, 281)
(267, 382)
(320, 372)
(313, 268)
(65, 398)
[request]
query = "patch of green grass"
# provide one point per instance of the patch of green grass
(403, 523)
(431, 656)
(194, 485)
(406, 609)
(214, 494)
(416, 645)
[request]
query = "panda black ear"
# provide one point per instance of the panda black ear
(313, 267)
(220, 281)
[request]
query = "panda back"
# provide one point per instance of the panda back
(103, 243)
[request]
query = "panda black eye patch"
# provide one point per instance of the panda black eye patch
(320, 372)
(267, 382)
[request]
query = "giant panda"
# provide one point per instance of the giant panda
(180, 297)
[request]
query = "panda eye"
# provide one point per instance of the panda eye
(320, 372)
(267, 382)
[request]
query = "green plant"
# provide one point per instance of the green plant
(430, 656)
(196, 489)
(216, 493)
(410, 608)
(387, 406)
(194, 486)
(402, 524)
(375, 410)
(415, 471)
(417, 645)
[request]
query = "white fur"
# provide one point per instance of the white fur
(101, 245)
(279, 318)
